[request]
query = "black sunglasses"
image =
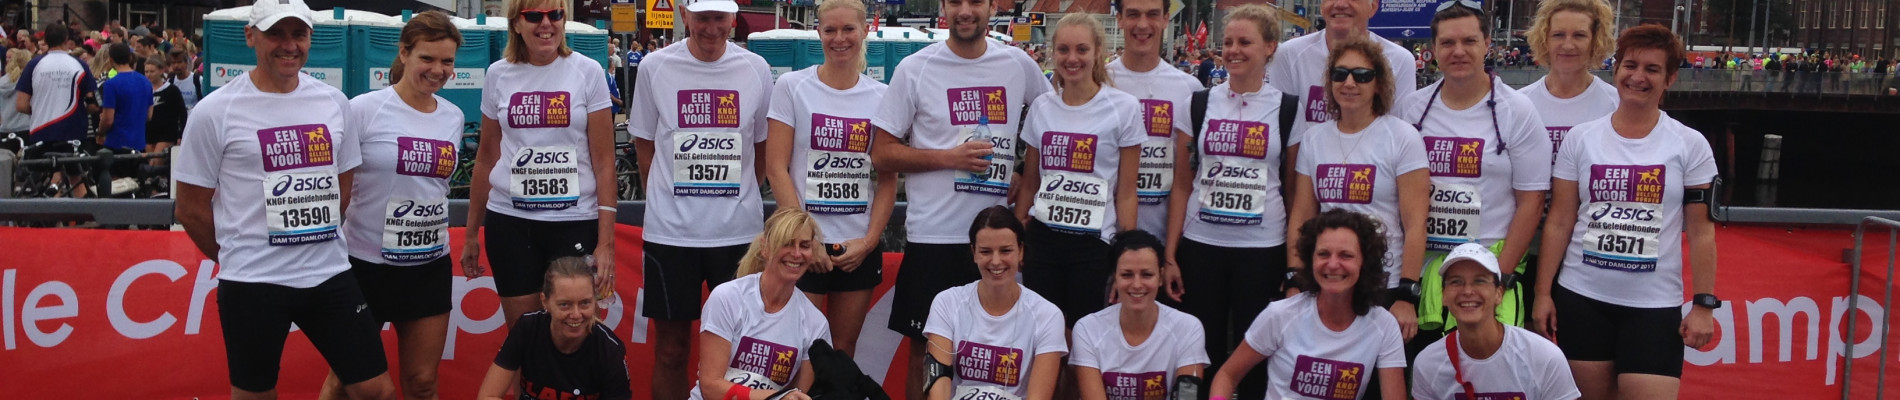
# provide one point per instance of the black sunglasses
(534, 16)
(1362, 75)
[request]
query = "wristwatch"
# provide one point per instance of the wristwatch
(1408, 291)
(1708, 301)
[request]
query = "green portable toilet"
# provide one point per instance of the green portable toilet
(227, 56)
(779, 48)
(589, 41)
(373, 47)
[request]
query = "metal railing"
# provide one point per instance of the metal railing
(1853, 303)
(1744, 81)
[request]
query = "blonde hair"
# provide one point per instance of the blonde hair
(16, 63)
(780, 231)
(1099, 71)
(1266, 17)
(856, 6)
(1602, 27)
(517, 50)
(1383, 89)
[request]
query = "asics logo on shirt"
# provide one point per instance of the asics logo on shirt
(1450, 196)
(825, 160)
(527, 155)
(1073, 186)
(420, 211)
(694, 142)
(1154, 152)
(302, 184)
(1622, 213)
(1226, 171)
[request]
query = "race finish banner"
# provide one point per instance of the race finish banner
(140, 307)
(1407, 19)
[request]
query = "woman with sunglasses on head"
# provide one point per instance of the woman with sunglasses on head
(562, 348)
(1228, 238)
(1489, 171)
(993, 338)
(544, 111)
(1137, 348)
(1484, 358)
(818, 149)
(1571, 37)
(1365, 161)
(1641, 180)
(757, 330)
(1329, 341)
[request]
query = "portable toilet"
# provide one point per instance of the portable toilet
(497, 29)
(589, 41)
(471, 69)
(877, 55)
(779, 48)
(227, 56)
(373, 47)
(811, 48)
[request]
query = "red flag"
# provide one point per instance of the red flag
(1200, 34)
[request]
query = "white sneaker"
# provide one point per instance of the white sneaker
(124, 185)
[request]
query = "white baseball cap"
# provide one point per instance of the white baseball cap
(1471, 252)
(726, 6)
(266, 13)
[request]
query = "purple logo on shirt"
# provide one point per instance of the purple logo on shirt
(1345, 183)
(1455, 157)
(1063, 151)
(424, 157)
(968, 104)
(831, 133)
(1159, 117)
(1138, 386)
(1326, 379)
(771, 360)
(986, 363)
(1460, 395)
(540, 110)
(1557, 134)
(1226, 137)
(1316, 104)
(296, 146)
(1632, 183)
(708, 108)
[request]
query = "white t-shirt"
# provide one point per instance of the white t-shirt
(278, 204)
(1473, 185)
(705, 120)
(545, 173)
(1525, 367)
(1299, 67)
(1559, 115)
(399, 197)
(1236, 195)
(831, 149)
(942, 99)
(1627, 246)
(188, 88)
(1164, 93)
(1138, 372)
(766, 349)
(1081, 158)
(1360, 173)
(1307, 360)
(994, 354)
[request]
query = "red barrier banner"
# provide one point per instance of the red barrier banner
(131, 314)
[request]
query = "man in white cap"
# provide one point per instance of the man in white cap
(698, 121)
(261, 191)
(1484, 358)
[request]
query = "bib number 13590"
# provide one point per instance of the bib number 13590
(302, 217)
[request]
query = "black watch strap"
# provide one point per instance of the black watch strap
(1706, 300)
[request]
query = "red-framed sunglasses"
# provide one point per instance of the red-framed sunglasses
(535, 16)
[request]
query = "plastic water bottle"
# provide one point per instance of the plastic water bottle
(982, 133)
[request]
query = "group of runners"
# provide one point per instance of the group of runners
(1137, 247)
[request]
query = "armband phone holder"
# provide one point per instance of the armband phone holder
(1187, 388)
(933, 371)
(782, 392)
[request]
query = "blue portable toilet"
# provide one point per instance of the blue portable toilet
(811, 48)
(877, 53)
(589, 41)
(471, 69)
(373, 48)
(227, 56)
(779, 48)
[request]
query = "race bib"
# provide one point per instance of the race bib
(1454, 216)
(839, 181)
(995, 180)
(969, 108)
(301, 207)
(1072, 198)
(544, 178)
(1155, 177)
(1321, 378)
(982, 392)
(761, 364)
(1345, 183)
(1233, 178)
(415, 230)
(1136, 386)
(750, 380)
(540, 110)
(1491, 396)
(1625, 221)
(707, 164)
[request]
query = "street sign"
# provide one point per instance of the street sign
(625, 17)
(1035, 18)
(660, 14)
(1019, 33)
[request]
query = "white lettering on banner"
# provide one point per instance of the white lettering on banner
(31, 313)
(200, 290)
(1784, 316)
(6, 306)
(115, 299)
(1723, 351)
